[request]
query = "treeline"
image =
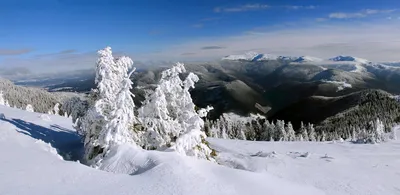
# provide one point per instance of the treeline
(258, 128)
(41, 100)
(373, 104)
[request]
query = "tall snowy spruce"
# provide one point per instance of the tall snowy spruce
(110, 117)
(170, 119)
(3, 101)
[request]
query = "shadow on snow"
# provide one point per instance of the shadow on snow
(67, 143)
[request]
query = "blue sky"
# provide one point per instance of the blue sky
(64, 34)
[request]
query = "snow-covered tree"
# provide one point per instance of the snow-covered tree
(280, 131)
(3, 101)
(379, 134)
(170, 119)
(118, 130)
(323, 136)
(110, 116)
(303, 132)
(29, 108)
(290, 133)
(56, 109)
(265, 134)
(312, 135)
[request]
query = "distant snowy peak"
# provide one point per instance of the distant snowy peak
(349, 59)
(250, 56)
(254, 56)
(307, 59)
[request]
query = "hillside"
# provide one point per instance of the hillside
(367, 104)
(34, 167)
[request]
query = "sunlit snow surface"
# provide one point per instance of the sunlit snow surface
(30, 166)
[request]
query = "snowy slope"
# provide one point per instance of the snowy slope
(30, 166)
(335, 168)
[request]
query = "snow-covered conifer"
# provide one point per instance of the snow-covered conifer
(29, 108)
(122, 118)
(323, 136)
(303, 132)
(2, 100)
(280, 131)
(110, 116)
(169, 116)
(290, 133)
(379, 131)
(312, 135)
(56, 109)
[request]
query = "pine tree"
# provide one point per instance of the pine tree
(110, 116)
(280, 131)
(2, 100)
(303, 132)
(323, 136)
(312, 135)
(379, 131)
(29, 108)
(56, 109)
(290, 133)
(266, 131)
(118, 130)
(170, 119)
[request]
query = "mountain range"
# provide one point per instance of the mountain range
(270, 85)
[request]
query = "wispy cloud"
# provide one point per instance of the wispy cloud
(210, 19)
(67, 51)
(321, 19)
(10, 52)
(197, 25)
(256, 7)
(188, 54)
(63, 52)
(155, 32)
(60, 61)
(242, 8)
(360, 14)
(379, 42)
(212, 47)
(297, 7)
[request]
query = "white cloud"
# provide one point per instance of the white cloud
(242, 8)
(9, 52)
(197, 25)
(376, 43)
(64, 60)
(296, 7)
(255, 7)
(360, 14)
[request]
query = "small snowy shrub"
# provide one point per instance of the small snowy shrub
(45, 117)
(29, 108)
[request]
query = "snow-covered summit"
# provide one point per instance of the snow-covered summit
(349, 59)
(307, 59)
(250, 56)
(254, 56)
